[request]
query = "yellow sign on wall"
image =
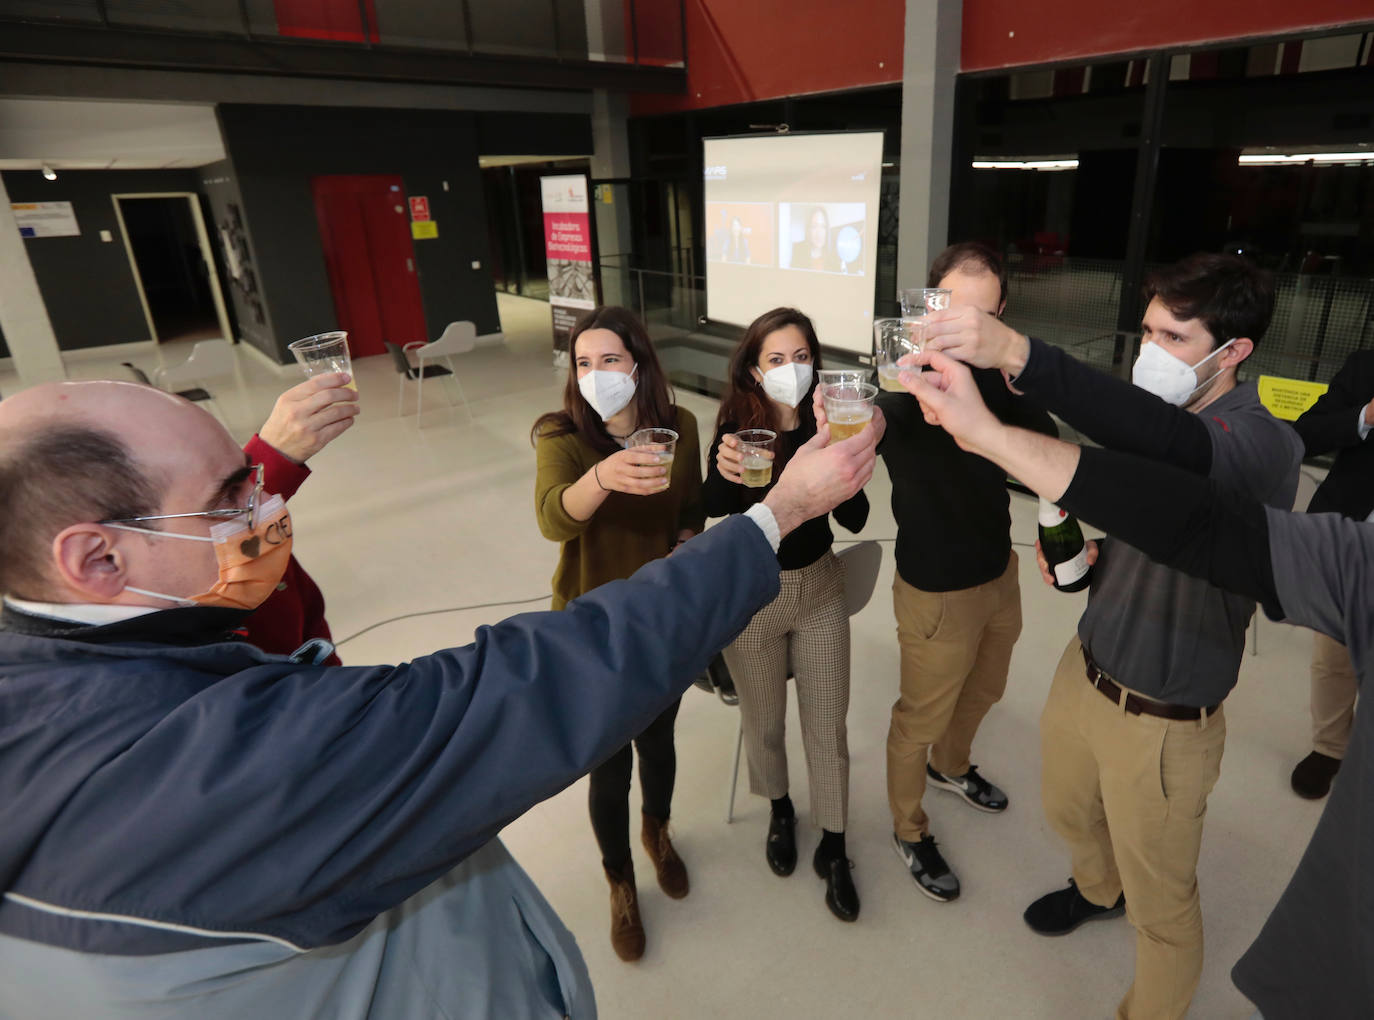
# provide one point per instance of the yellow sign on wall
(1288, 398)
(423, 230)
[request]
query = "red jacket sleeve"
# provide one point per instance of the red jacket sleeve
(279, 473)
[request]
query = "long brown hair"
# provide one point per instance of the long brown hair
(744, 401)
(652, 401)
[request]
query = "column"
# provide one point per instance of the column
(930, 62)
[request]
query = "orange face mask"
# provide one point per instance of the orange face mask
(252, 561)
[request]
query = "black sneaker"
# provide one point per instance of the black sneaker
(1059, 913)
(1312, 776)
(974, 789)
(927, 867)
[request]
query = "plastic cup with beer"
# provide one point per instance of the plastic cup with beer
(848, 408)
(893, 339)
(756, 456)
(325, 352)
(664, 439)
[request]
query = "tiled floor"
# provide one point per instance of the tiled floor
(403, 518)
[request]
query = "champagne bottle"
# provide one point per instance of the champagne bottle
(1061, 541)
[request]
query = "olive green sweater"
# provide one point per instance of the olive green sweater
(626, 531)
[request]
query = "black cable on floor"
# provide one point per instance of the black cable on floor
(436, 612)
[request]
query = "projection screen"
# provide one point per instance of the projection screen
(793, 220)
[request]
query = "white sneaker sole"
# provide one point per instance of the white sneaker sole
(958, 791)
(901, 856)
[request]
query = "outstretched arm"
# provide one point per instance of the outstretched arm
(1108, 410)
(1175, 517)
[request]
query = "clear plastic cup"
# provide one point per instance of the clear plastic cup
(848, 408)
(664, 438)
(843, 376)
(756, 453)
(324, 352)
(894, 339)
(917, 301)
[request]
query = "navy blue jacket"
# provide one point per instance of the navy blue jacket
(158, 800)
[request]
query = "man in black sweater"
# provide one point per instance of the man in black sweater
(1341, 420)
(956, 594)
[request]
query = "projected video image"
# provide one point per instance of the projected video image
(792, 220)
(825, 237)
(740, 232)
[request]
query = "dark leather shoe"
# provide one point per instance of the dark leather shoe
(1312, 776)
(840, 895)
(781, 848)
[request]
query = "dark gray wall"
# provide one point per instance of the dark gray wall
(276, 150)
(86, 283)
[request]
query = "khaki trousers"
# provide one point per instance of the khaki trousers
(807, 628)
(1128, 793)
(955, 653)
(1333, 696)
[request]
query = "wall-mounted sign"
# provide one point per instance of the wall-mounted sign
(424, 230)
(45, 219)
(419, 207)
(1288, 398)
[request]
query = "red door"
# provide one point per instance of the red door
(365, 231)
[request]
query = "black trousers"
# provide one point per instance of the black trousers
(609, 793)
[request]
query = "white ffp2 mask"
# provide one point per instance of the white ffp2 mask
(787, 384)
(1169, 377)
(608, 392)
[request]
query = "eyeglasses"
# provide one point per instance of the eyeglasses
(227, 514)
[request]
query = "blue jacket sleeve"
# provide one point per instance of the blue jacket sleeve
(300, 802)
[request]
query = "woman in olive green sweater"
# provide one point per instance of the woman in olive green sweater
(613, 510)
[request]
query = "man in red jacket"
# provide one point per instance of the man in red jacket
(305, 419)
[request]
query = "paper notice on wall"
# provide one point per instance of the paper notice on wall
(424, 230)
(45, 219)
(1288, 398)
(568, 249)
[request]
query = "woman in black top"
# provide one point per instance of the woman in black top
(804, 632)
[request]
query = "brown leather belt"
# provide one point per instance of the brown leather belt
(1137, 705)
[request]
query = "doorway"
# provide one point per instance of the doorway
(365, 233)
(173, 266)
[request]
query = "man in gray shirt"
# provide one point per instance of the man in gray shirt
(1133, 730)
(1313, 570)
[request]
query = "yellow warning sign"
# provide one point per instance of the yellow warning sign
(1288, 398)
(422, 230)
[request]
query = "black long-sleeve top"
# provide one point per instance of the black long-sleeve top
(1114, 412)
(1333, 423)
(811, 539)
(952, 510)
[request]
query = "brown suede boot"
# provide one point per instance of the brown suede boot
(672, 873)
(627, 931)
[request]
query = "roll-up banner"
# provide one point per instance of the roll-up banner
(568, 248)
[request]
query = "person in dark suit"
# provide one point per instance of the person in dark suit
(1341, 420)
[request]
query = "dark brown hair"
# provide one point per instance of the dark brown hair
(970, 256)
(744, 401)
(53, 478)
(652, 401)
(1231, 296)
